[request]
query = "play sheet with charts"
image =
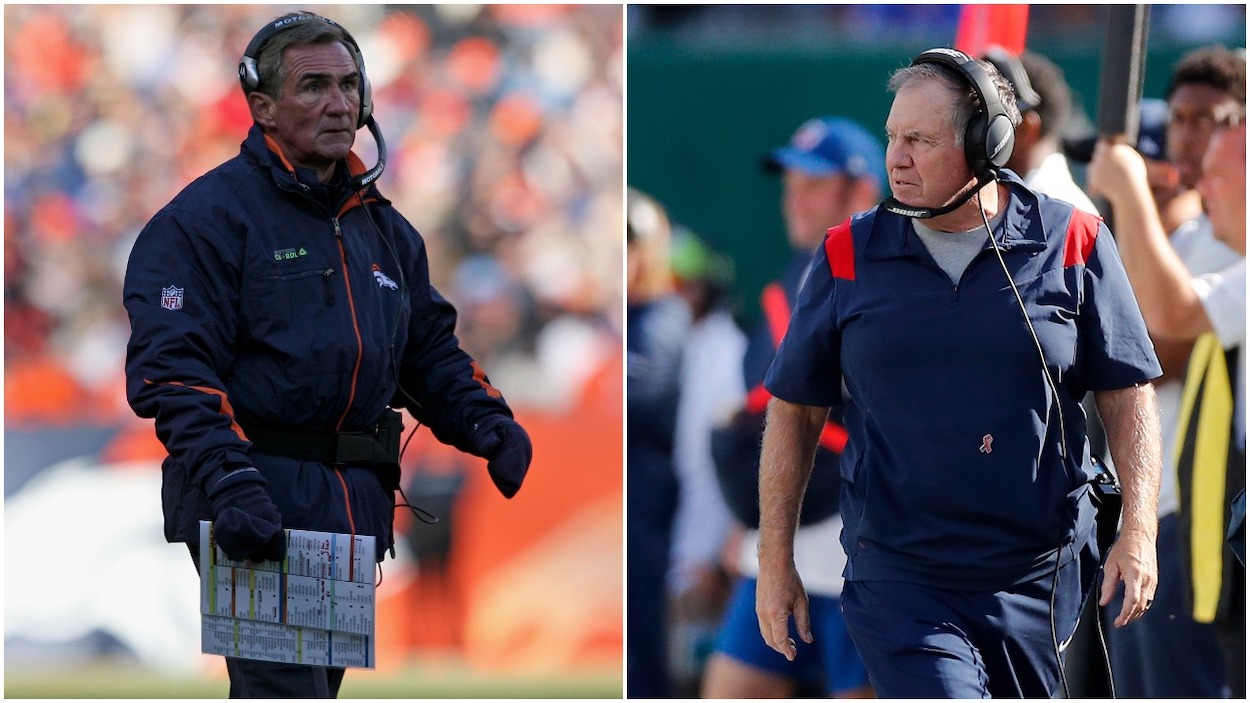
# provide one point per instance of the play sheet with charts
(315, 607)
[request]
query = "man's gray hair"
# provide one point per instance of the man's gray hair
(964, 99)
(269, 64)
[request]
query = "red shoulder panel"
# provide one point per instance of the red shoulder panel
(841, 251)
(1078, 242)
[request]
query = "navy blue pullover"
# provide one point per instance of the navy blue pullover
(953, 471)
(258, 300)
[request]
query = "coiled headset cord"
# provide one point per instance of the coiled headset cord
(418, 512)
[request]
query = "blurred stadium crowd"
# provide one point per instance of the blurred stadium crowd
(504, 130)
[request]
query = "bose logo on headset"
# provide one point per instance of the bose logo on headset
(990, 137)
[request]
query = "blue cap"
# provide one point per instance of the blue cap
(828, 146)
(1152, 129)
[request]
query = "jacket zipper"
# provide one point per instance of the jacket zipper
(351, 396)
(351, 306)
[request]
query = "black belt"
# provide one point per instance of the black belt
(379, 446)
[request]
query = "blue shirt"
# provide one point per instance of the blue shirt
(954, 473)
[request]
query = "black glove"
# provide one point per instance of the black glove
(246, 523)
(506, 447)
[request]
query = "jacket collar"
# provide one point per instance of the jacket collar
(268, 153)
(892, 235)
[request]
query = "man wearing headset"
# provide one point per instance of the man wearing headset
(279, 307)
(968, 494)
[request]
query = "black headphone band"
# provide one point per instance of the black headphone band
(992, 146)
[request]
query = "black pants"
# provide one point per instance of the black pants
(259, 679)
(256, 679)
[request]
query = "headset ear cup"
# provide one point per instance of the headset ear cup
(1000, 141)
(366, 98)
(976, 148)
(249, 75)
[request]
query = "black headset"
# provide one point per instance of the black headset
(990, 137)
(988, 140)
(249, 78)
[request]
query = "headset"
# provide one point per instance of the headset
(988, 140)
(249, 79)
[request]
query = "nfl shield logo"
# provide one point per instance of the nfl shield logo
(171, 298)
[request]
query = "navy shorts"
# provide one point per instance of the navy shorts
(918, 641)
(829, 663)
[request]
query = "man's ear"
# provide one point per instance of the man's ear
(262, 107)
(1029, 131)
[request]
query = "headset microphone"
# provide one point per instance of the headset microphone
(362, 180)
(893, 205)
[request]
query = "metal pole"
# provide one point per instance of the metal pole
(1124, 61)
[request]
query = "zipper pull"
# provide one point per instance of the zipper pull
(325, 276)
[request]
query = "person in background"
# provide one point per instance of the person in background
(831, 169)
(280, 308)
(1172, 655)
(657, 322)
(1205, 310)
(711, 387)
(950, 314)
(1045, 102)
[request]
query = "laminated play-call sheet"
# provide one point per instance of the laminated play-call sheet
(315, 607)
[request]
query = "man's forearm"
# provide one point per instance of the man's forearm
(1159, 278)
(786, 458)
(1131, 419)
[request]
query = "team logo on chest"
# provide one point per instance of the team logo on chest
(383, 280)
(171, 298)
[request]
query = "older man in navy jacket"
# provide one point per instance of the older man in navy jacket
(280, 307)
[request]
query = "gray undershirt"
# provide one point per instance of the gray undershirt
(953, 251)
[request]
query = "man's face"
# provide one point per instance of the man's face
(1223, 186)
(1194, 110)
(813, 204)
(315, 119)
(926, 167)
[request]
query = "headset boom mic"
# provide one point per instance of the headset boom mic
(372, 174)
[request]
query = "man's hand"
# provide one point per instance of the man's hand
(1132, 560)
(1116, 172)
(507, 449)
(779, 594)
(246, 523)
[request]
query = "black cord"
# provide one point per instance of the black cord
(1063, 433)
(1054, 635)
(420, 513)
(403, 300)
(1106, 654)
(1024, 311)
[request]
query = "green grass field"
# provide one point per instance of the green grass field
(126, 680)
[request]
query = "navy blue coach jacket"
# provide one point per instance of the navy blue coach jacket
(257, 300)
